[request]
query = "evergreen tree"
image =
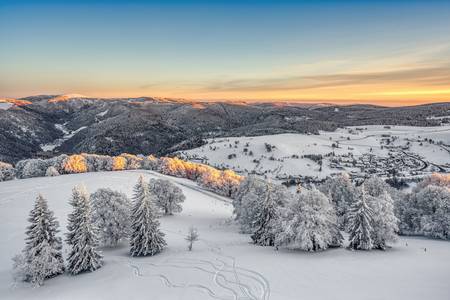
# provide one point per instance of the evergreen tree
(252, 203)
(264, 234)
(82, 235)
(146, 237)
(42, 255)
(360, 222)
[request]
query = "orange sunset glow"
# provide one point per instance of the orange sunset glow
(374, 52)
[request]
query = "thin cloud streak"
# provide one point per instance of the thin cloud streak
(437, 76)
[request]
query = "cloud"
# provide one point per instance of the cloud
(432, 76)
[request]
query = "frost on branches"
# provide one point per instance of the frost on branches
(385, 223)
(249, 202)
(360, 224)
(168, 196)
(7, 171)
(426, 211)
(341, 191)
(265, 220)
(249, 184)
(82, 236)
(308, 223)
(192, 237)
(146, 237)
(42, 257)
(375, 186)
(111, 215)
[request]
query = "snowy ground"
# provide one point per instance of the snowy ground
(407, 152)
(5, 105)
(223, 264)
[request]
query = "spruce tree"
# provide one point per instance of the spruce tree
(42, 255)
(82, 235)
(360, 221)
(264, 234)
(146, 237)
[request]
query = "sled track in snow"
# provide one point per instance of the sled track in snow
(230, 282)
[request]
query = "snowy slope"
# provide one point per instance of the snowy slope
(5, 105)
(407, 152)
(223, 264)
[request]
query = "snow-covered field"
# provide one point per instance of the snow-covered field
(223, 265)
(407, 151)
(5, 105)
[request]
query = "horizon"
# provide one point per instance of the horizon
(286, 102)
(387, 53)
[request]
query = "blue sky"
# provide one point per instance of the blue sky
(275, 50)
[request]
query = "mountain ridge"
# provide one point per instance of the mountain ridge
(159, 126)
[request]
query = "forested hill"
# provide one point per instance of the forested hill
(42, 126)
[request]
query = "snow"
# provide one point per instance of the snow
(357, 140)
(5, 105)
(103, 113)
(223, 264)
(66, 97)
(438, 118)
(58, 142)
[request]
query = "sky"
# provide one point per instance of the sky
(382, 52)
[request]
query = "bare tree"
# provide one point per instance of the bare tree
(192, 237)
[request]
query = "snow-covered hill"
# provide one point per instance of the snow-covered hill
(223, 265)
(363, 150)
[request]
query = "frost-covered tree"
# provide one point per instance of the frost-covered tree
(265, 220)
(341, 191)
(168, 196)
(360, 224)
(42, 256)
(407, 212)
(191, 237)
(150, 163)
(146, 237)
(247, 185)
(31, 168)
(82, 236)
(426, 211)
(375, 186)
(384, 221)
(133, 162)
(51, 171)
(7, 171)
(229, 183)
(308, 223)
(57, 162)
(435, 179)
(433, 203)
(96, 163)
(251, 204)
(111, 215)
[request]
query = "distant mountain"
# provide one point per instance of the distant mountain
(76, 123)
